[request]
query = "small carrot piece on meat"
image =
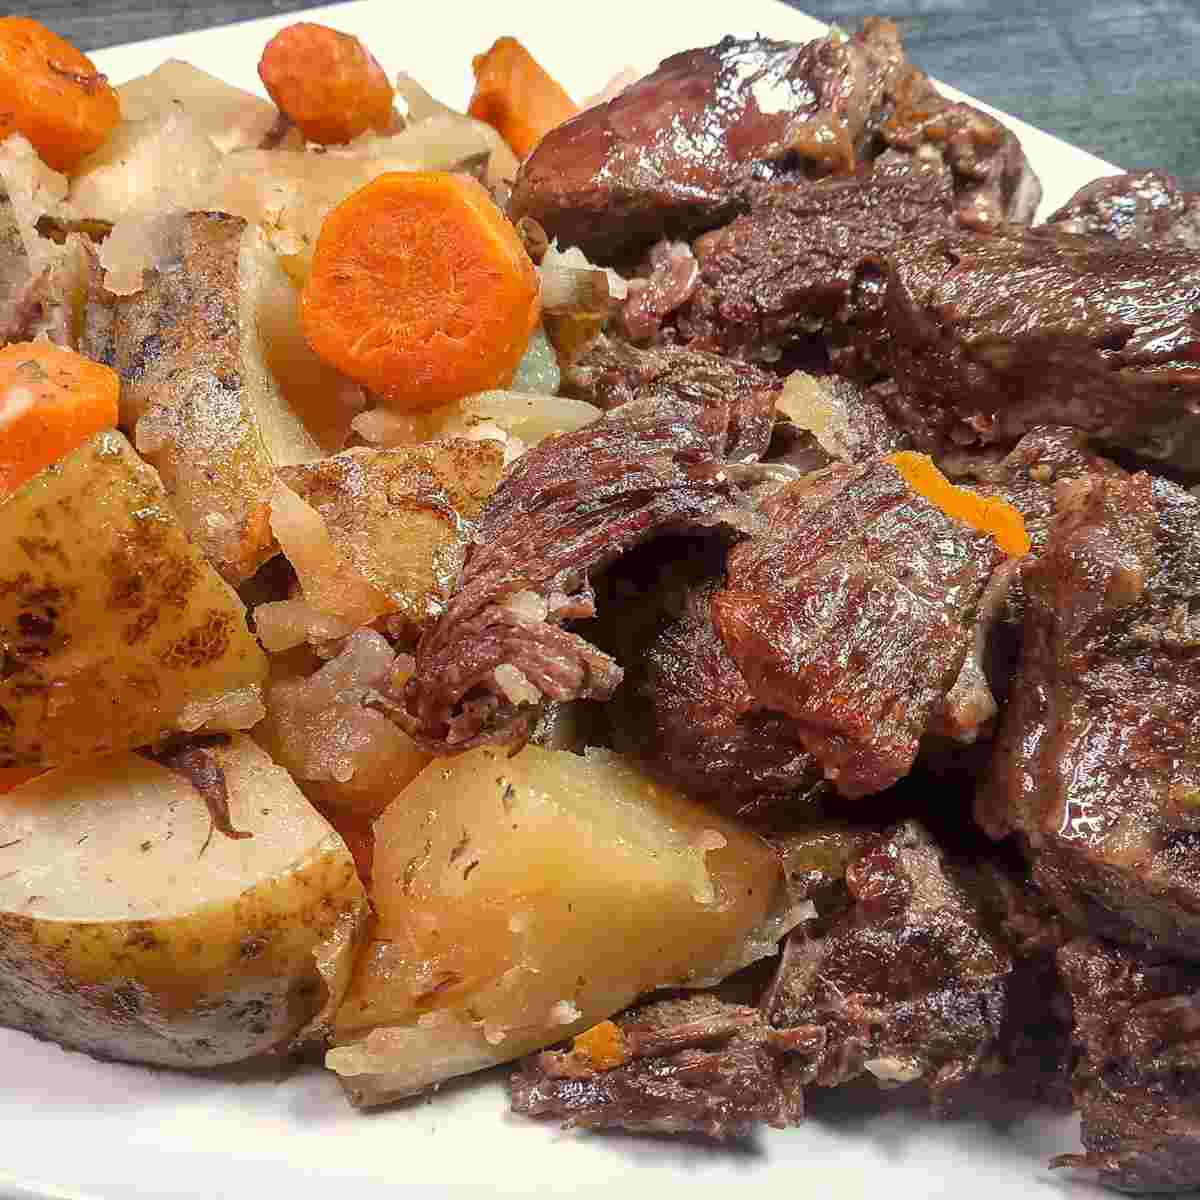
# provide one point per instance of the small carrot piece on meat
(988, 514)
(327, 83)
(51, 400)
(515, 95)
(52, 94)
(421, 290)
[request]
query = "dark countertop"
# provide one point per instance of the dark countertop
(1117, 77)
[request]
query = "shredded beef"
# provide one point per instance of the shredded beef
(1096, 766)
(853, 613)
(691, 1065)
(567, 509)
(737, 396)
(990, 336)
(1137, 1074)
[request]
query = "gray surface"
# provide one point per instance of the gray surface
(1114, 76)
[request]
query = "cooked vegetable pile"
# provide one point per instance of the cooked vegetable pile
(691, 591)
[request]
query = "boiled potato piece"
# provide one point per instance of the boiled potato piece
(197, 391)
(114, 628)
(521, 900)
(397, 521)
(131, 930)
(229, 117)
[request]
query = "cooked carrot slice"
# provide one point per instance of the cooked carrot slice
(52, 94)
(326, 82)
(13, 777)
(51, 400)
(515, 95)
(421, 290)
(988, 514)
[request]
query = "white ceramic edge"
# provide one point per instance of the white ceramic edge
(62, 1116)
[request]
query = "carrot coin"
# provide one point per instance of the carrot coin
(421, 290)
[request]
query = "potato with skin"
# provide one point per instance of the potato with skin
(115, 630)
(197, 393)
(129, 929)
(521, 900)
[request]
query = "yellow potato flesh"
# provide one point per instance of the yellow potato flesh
(116, 631)
(131, 930)
(521, 900)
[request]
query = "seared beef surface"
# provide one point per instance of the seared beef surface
(611, 372)
(990, 336)
(566, 509)
(1138, 206)
(1096, 765)
(906, 982)
(691, 1065)
(1137, 1072)
(853, 613)
(785, 268)
(701, 727)
(672, 154)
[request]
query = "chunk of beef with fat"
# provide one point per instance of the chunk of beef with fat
(784, 270)
(1137, 206)
(906, 982)
(611, 372)
(672, 154)
(693, 1065)
(1096, 766)
(853, 613)
(1137, 1073)
(990, 336)
(566, 509)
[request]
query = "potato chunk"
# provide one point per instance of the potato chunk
(132, 931)
(114, 628)
(196, 388)
(521, 900)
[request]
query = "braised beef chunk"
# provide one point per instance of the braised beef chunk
(610, 373)
(906, 983)
(1137, 1072)
(691, 1065)
(993, 181)
(672, 154)
(1137, 206)
(853, 613)
(700, 725)
(785, 269)
(990, 336)
(566, 509)
(1097, 766)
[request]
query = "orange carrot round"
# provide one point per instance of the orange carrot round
(421, 290)
(52, 94)
(51, 400)
(516, 96)
(988, 514)
(326, 82)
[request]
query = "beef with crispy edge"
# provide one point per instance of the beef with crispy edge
(990, 336)
(566, 509)
(611, 372)
(672, 154)
(1136, 1080)
(852, 613)
(1138, 206)
(1097, 763)
(694, 1065)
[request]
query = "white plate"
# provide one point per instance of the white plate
(75, 1129)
